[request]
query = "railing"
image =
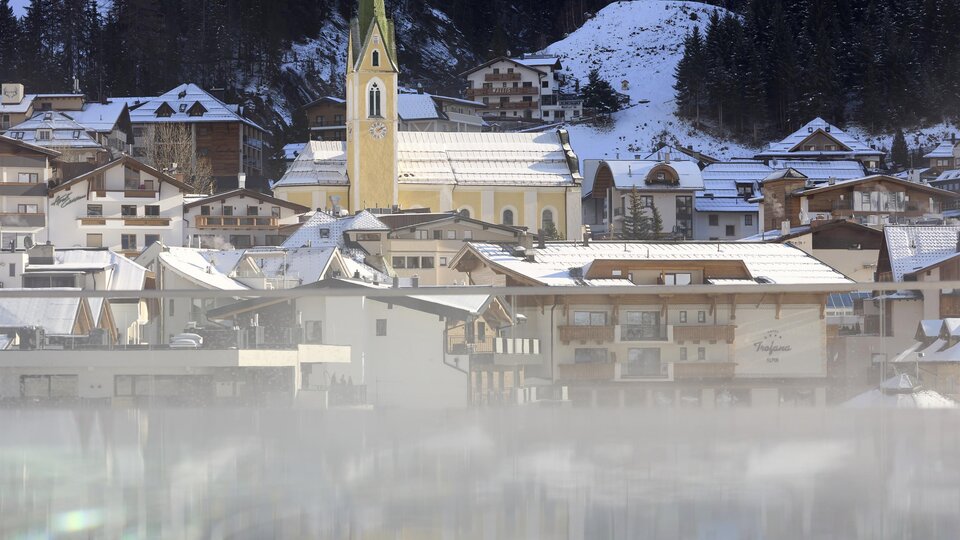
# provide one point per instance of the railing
(140, 193)
(458, 344)
(600, 334)
(237, 222)
(501, 77)
(514, 105)
(14, 219)
(638, 332)
(704, 370)
(508, 91)
(726, 333)
(146, 221)
(591, 371)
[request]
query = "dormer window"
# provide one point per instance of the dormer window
(375, 58)
(43, 134)
(661, 177)
(76, 134)
(164, 110)
(197, 109)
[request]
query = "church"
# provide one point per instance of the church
(527, 180)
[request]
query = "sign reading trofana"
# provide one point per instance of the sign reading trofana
(65, 199)
(792, 345)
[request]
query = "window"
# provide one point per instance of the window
(375, 58)
(438, 234)
(546, 219)
(713, 220)
(507, 217)
(241, 241)
(683, 316)
(481, 331)
(443, 261)
(589, 356)
(94, 240)
(468, 235)
(643, 362)
(702, 354)
(640, 325)
(748, 220)
(413, 262)
(423, 234)
(451, 235)
(151, 210)
(275, 212)
(701, 316)
(589, 318)
(182, 107)
(150, 239)
(171, 311)
(28, 209)
(683, 354)
(465, 212)
(227, 210)
(313, 331)
(204, 210)
(43, 134)
(399, 262)
(128, 210)
(368, 237)
(128, 242)
(730, 230)
(381, 327)
(28, 178)
(496, 71)
(324, 233)
(426, 262)
(677, 279)
(13, 269)
(545, 84)
(374, 106)
(253, 210)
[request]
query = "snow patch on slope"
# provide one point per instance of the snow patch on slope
(639, 42)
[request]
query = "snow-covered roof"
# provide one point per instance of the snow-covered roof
(18, 108)
(292, 150)
(628, 174)
(473, 304)
(953, 174)
(879, 178)
(306, 264)
(64, 132)
(720, 180)
(56, 316)
(191, 265)
(324, 230)
(99, 117)
(821, 171)
(789, 146)
(519, 159)
(912, 248)
(675, 154)
(738, 205)
(121, 272)
(417, 107)
(943, 150)
(537, 60)
(901, 392)
(182, 100)
(776, 263)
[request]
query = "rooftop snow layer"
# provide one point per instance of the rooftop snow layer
(912, 248)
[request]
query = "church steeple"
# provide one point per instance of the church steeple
(368, 13)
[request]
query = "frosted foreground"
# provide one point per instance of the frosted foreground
(535, 473)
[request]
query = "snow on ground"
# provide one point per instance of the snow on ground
(926, 138)
(639, 42)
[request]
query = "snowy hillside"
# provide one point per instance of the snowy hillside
(639, 42)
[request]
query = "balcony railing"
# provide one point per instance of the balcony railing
(128, 221)
(591, 371)
(237, 222)
(504, 91)
(725, 333)
(493, 77)
(599, 334)
(22, 219)
(703, 370)
(510, 105)
(637, 332)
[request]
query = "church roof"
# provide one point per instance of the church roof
(481, 159)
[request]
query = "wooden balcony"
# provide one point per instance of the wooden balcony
(140, 194)
(500, 77)
(696, 334)
(703, 370)
(511, 105)
(87, 221)
(503, 91)
(592, 371)
(583, 334)
(152, 221)
(237, 222)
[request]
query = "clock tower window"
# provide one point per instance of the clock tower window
(375, 110)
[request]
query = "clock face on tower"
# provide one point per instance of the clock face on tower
(378, 130)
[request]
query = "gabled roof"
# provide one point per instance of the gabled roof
(518, 159)
(720, 181)
(64, 132)
(882, 178)
(191, 265)
(943, 150)
(680, 153)
(784, 174)
(947, 176)
(101, 117)
(776, 263)
(27, 147)
(778, 236)
(514, 61)
(325, 230)
(127, 161)
(263, 197)
(628, 174)
(913, 248)
(822, 170)
(57, 316)
(180, 100)
(789, 146)
(398, 222)
(321, 99)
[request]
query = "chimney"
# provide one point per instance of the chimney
(666, 157)
(41, 254)
(419, 88)
(540, 241)
(242, 180)
(784, 228)
(831, 181)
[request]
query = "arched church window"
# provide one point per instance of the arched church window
(375, 100)
(546, 219)
(508, 217)
(375, 58)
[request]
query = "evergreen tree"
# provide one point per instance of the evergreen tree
(656, 221)
(9, 40)
(690, 73)
(899, 153)
(636, 224)
(598, 94)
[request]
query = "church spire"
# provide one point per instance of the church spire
(369, 11)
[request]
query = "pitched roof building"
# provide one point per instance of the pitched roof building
(819, 139)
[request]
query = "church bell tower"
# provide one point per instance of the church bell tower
(372, 118)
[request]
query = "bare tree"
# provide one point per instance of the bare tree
(170, 148)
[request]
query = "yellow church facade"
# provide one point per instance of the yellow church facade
(523, 179)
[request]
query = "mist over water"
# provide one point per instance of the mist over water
(490, 473)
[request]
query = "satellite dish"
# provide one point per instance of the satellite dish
(27, 242)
